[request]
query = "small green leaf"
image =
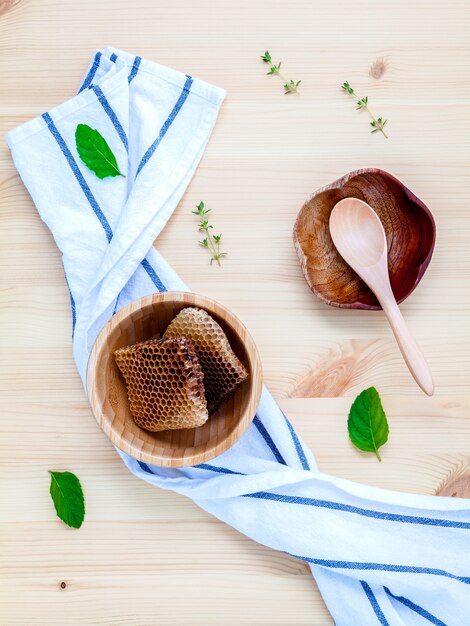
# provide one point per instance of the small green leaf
(94, 151)
(67, 495)
(367, 422)
(266, 57)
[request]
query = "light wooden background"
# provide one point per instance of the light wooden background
(146, 557)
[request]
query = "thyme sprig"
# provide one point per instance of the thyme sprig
(210, 241)
(363, 104)
(290, 86)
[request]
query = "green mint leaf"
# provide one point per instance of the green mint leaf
(94, 151)
(367, 423)
(67, 495)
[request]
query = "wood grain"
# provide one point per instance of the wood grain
(140, 548)
(457, 483)
(148, 318)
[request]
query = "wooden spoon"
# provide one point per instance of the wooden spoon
(359, 237)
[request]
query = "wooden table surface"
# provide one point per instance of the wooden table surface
(144, 556)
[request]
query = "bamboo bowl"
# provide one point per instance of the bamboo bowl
(409, 228)
(145, 319)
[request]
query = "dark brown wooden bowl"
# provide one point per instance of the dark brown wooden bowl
(409, 227)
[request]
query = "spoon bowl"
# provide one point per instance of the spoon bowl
(366, 241)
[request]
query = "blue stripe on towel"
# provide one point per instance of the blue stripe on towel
(116, 304)
(416, 608)
(134, 70)
(72, 305)
(348, 508)
(384, 567)
(79, 176)
(268, 439)
(145, 467)
(298, 445)
(153, 275)
(219, 470)
(112, 116)
(113, 57)
(168, 122)
(91, 72)
(375, 605)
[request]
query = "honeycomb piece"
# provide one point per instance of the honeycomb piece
(222, 369)
(164, 384)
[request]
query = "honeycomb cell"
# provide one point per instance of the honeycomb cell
(164, 382)
(223, 371)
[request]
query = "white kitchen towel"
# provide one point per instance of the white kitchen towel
(379, 557)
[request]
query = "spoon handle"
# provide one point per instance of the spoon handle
(409, 348)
